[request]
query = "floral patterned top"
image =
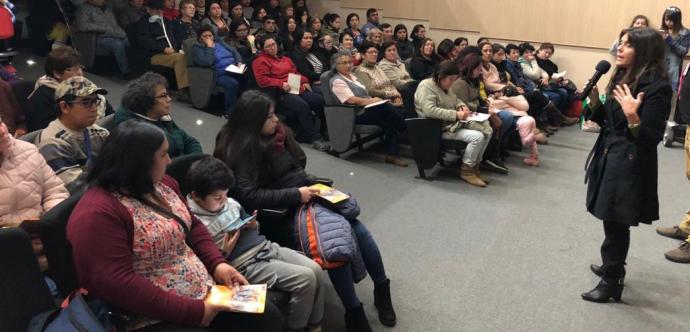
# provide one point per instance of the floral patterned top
(159, 249)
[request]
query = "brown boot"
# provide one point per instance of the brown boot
(395, 160)
(673, 232)
(468, 175)
(680, 254)
(480, 176)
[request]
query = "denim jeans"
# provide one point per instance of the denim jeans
(231, 88)
(476, 144)
(390, 119)
(117, 47)
(342, 278)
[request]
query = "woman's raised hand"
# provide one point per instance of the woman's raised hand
(629, 103)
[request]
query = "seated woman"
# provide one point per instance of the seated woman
(146, 98)
(252, 143)
(29, 186)
(533, 72)
(404, 45)
(288, 34)
(325, 49)
(375, 36)
(493, 83)
(186, 26)
(332, 27)
(315, 27)
(215, 19)
(353, 29)
(510, 101)
(215, 53)
(564, 88)
(237, 12)
(259, 260)
(258, 17)
(272, 70)
(346, 87)
(424, 61)
(96, 17)
(136, 245)
(10, 110)
(435, 99)
(239, 31)
(417, 36)
(392, 66)
(305, 58)
(460, 43)
(302, 16)
(347, 44)
(447, 51)
(373, 78)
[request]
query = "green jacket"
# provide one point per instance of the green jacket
(180, 143)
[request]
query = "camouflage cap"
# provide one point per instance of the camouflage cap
(77, 86)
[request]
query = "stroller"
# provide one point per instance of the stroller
(675, 129)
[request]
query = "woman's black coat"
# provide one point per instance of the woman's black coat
(622, 169)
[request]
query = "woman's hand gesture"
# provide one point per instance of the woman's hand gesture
(628, 102)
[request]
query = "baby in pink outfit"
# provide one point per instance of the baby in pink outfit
(526, 126)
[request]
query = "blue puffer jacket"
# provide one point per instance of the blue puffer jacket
(336, 242)
(203, 56)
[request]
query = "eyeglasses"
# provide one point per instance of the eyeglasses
(76, 68)
(372, 52)
(86, 102)
(165, 95)
(349, 62)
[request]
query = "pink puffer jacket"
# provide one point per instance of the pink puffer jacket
(28, 186)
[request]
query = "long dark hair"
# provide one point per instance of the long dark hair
(672, 13)
(445, 48)
(123, 169)
(240, 142)
(422, 43)
(398, 28)
(299, 34)
(444, 69)
(469, 63)
(415, 29)
(349, 17)
(650, 53)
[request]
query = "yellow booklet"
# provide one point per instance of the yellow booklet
(330, 194)
(247, 298)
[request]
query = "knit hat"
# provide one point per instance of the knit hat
(77, 86)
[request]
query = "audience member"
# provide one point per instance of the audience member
(302, 16)
(186, 25)
(315, 27)
(97, 17)
(61, 64)
(373, 78)
(394, 68)
(482, 40)
(306, 61)
(154, 34)
(347, 44)
(402, 43)
(460, 43)
(299, 4)
(215, 19)
(273, 9)
(225, 8)
(508, 100)
(252, 143)
(447, 51)
(332, 26)
(639, 21)
(258, 16)
(353, 29)
(562, 86)
(259, 260)
(146, 98)
(424, 61)
(387, 31)
(268, 29)
(200, 10)
(211, 51)
(170, 13)
(137, 246)
(71, 143)
(677, 39)
(532, 71)
(372, 21)
(247, 8)
(10, 112)
(288, 34)
(418, 34)
(347, 88)
(287, 12)
(131, 13)
(272, 70)
(239, 31)
(237, 12)
(435, 99)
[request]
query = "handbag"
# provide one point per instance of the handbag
(75, 314)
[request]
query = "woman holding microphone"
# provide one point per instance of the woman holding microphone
(622, 167)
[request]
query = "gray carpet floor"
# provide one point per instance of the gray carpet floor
(512, 256)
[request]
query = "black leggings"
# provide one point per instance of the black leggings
(614, 250)
(270, 321)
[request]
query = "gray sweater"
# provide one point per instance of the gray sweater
(100, 20)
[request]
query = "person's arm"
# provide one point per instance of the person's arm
(427, 102)
(461, 90)
(87, 20)
(417, 67)
(303, 66)
(248, 191)
(293, 69)
(364, 78)
(203, 56)
(531, 70)
(61, 158)
(679, 47)
(54, 190)
(491, 79)
(262, 74)
(100, 231)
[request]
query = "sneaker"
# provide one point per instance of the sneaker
(590, 127)
(321, 145)
(680, 254)
(493, 167)
(673, 232)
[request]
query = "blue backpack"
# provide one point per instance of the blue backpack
(75, 314)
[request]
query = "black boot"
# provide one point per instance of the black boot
(599, 271)
(604, 291)
(356, 320)
(553, 115)
(384, 304)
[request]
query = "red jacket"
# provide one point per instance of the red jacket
(100, 231)
(272, 72)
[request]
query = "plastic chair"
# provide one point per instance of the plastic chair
(31, 136)
(427, 144)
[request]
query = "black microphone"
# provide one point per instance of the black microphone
(602, 68)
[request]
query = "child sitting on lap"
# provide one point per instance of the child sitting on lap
(259, 260)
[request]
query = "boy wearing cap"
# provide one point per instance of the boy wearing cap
(154, 34)
(71, 143)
